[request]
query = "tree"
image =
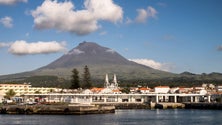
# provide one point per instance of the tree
(10, 93)
(86, 78)
(75, 79)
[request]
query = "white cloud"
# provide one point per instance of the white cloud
(110, 51)
(11, 2)
(4, 44)
(76, 52)
(144, 14)
(63, 16)
(154, 64)
(24, 48)
(6, 21)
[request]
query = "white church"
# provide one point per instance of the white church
(113, 85)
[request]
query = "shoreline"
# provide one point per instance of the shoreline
(83, 109)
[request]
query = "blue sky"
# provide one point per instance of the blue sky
(170, 35)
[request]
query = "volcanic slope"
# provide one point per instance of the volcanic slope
(100, 61)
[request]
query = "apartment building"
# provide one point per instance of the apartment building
(21, 89)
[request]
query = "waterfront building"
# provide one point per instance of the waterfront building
(184, 90)
(21, 89)
(144, 90)
(219, 88)
(162, 89)
(111, 93)
(97, 90)
(174, 90)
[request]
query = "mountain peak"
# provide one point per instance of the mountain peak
(89, 44)
(88, 53)
(90, 48)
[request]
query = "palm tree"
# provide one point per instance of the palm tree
(9, 94)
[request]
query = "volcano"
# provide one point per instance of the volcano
(100, 60)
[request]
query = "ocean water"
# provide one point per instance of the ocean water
(122, 117)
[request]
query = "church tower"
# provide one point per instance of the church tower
(106, 84)
(113, 85)
(115, 81)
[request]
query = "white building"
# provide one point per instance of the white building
(219, 88)
(110, 88)
(144, 90)
(162, 89)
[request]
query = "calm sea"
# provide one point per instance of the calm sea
(122, 117)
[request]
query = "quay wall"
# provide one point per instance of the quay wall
(167, 106)
(203, 105)
(56, 109)
(126, 105)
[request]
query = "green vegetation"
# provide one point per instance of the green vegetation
(75, 84)
(47, 81)
(86, 83)
(185, 79)
(9, 94)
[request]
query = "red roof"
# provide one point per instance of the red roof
(97, 89)
(116, 90)
(143, 88)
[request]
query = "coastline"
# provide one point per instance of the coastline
(83, 109)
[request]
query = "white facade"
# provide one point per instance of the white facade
(113, 85)
(219, 88)
(19, 89)
(162, 89)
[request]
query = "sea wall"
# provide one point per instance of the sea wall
(56, 109)
(217, 106)
(167, 105)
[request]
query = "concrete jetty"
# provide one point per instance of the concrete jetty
(56, 109)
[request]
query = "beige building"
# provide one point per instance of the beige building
(21, 89)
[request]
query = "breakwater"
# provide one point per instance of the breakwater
(56, 109)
